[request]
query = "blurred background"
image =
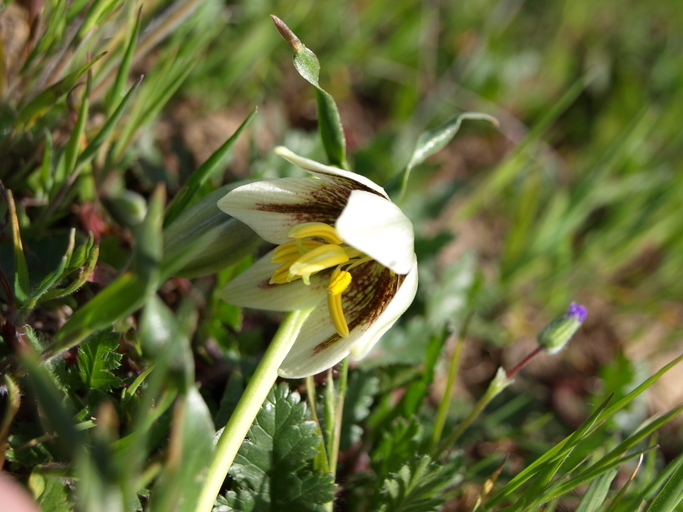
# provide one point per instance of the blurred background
(577, 196)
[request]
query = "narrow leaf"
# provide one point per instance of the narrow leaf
(22, 288)
(189, 455)
(47, 98)
(74, 143)
(199, 177)
(329, 121)
(91, 150)
(124, 68)
(597, 491)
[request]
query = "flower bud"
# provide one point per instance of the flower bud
(554, 336)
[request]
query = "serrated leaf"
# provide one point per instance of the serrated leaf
(53, 492)
(308, 492)
(270, 469)
(97, 357)
(416, 487)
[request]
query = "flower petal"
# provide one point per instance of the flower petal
(318, 345)
(403, 298)
(272, 207)
(331, 174)
(378, 228)
(252, 289)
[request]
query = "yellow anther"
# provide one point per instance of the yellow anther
(339, 282)
(282, 275)
(291, 251)
(334, 304)
(320, 258)
(315, 230)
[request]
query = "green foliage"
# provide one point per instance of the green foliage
(111, 321)
(97, 357)
(270, 471)
(418, 486)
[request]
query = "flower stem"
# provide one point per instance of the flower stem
(339, 413)
(249, 405)
(498, 384)
(452, 372)
(320, 462)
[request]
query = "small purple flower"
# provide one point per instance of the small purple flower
(577, 311)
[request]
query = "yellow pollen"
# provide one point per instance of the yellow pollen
(315, 230)
(320, 258)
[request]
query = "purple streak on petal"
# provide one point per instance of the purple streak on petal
(577, 311)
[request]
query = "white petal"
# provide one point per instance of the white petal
(302, 360)
(378, 228)
(398, 305)
(329, 173)
(251, 289)
(306, 358)
(271, 207)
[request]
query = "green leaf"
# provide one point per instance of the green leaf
(74, 143)
(107, 128)
(189, 456)
(417, 486)
(52, 492)
(120, 298)
(22, 288)
(329, 121)
(433, 141)
(124, 67)
(47, 98)
(199, 177)
(361, 391)
(597, 491)
(270, 469)
(149, 241)
(670, 495)
(97, 357)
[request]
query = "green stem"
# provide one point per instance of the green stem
(249, 405)
(498, 384)
(338, 417)
(329, 400)
(445, 403)
(320, 462)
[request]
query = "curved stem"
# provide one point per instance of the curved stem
(249, 405)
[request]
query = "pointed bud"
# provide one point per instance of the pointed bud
(287, 34)
(554, 336)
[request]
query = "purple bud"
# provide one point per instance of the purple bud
(577, 311)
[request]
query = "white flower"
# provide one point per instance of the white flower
(343, 248)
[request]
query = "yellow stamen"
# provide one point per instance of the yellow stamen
(339, 282)
(282, 275)
(318, 259)
(315, 230)
(291, 251)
